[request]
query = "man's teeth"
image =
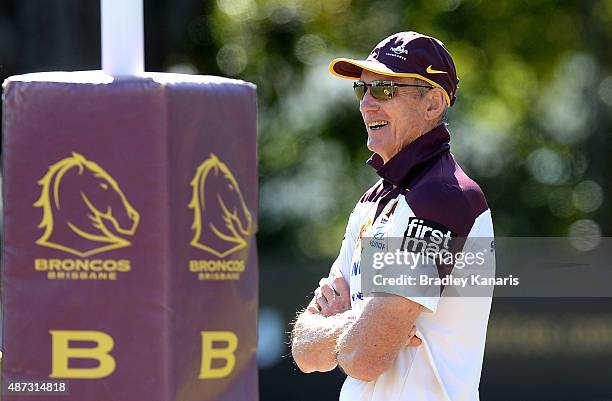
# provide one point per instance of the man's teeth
(377, 124)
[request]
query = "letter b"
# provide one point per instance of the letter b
(226, 353)
(61, 353)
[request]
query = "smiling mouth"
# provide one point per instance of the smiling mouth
(378, 124)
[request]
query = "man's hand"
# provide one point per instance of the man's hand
(332, 296)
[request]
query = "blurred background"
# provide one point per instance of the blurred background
(532, 124)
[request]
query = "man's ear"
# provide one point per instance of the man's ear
(436, 103)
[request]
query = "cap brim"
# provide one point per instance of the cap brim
(351, 69)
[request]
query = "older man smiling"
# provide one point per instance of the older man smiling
(401, 347)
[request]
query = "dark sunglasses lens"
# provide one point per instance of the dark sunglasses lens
(382, 91)
(360, 90)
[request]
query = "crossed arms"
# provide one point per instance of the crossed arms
(328, 333)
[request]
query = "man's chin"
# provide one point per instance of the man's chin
(374, 145)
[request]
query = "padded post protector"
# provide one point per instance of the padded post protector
(129, 255)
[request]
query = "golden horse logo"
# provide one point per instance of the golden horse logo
(222, 222)
(84, 210)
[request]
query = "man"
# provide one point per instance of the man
(401, 347)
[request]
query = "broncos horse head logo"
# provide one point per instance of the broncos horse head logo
(84, 210)
(222, 222)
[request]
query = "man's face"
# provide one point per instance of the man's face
(404, 115)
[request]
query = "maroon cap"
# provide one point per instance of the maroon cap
(406, 54)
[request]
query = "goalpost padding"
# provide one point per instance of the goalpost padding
(129, 254)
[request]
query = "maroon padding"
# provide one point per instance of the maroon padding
(127, 155)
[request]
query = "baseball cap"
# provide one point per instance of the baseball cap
(406, 54)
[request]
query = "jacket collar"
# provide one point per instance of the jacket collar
(405, 166)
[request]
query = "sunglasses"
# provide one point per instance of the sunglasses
(381, 90)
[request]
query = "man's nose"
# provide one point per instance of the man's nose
(368, 103)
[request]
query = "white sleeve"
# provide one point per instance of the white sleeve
(343, 261)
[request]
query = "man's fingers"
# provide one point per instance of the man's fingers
(329, 300)
(340, 285)
(319, 299)
(343, 290)
(328, 292)
(322, 303)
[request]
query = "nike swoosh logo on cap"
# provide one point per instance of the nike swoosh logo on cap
(430, 70)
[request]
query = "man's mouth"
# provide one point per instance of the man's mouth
(378, 124)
